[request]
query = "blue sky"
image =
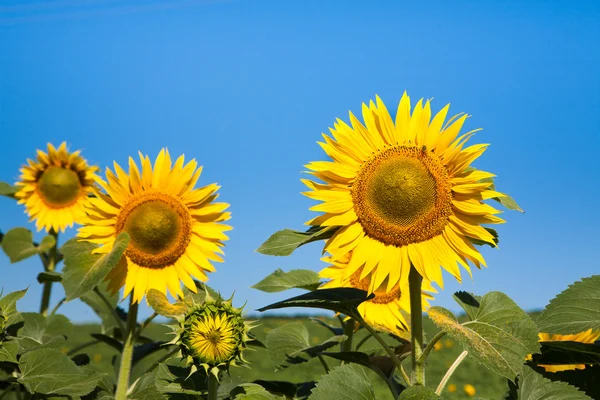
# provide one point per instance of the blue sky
(247, 87)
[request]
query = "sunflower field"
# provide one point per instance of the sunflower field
(398, 201)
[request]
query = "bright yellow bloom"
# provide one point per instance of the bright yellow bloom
(387, 310)
(55, 188)
(588, 336)
(403, 192)
(469, 390)
(175, 230)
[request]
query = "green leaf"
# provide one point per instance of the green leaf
(145, 389)
(7, 189)
(587, 380)
(533, 386)
(347, 382)
(48, 371)
(574, 310)
(8, 304)
(284, 242)
(103, 310)
(295, 279)
(173, 376)
(83, 271)
(109, 340)
(49, 276)
(252, 391)
(342, 300)
(499, 336)
(289, 344)
(509, 203)
(18, 244)
(382, 365)
(418, 393)
(8, 351)
(39, 331)
(161, 305)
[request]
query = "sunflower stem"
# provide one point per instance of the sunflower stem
(349, 332)
(416, 332)
(450, 371)
(213, 386)
(127, 354)
(49, 267)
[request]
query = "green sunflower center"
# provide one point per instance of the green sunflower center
(159, 227)
(59, 187)
(402, 196)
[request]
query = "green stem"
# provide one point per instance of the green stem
(213, 386)
(363, 341)
(57, 306)
(349, 332)
(127, 354)
(450, 371)
(49, 267)
(430, 346)
(324, 364)
(416, 327)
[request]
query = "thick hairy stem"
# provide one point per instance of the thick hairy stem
(416, 324)
(126, 356)
(49, 266)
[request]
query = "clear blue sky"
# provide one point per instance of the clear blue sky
(247, 87)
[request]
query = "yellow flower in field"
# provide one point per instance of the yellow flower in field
(175, 230)
(386, 310)
(469, 390)
(452, 388)
(403, 192)
(437, 346)
(588, 336)
(55, 188)
(213, 335)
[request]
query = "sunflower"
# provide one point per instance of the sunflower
(388, 310)
(55, 188)
(589, 336)
(175, 230)
(403, 193)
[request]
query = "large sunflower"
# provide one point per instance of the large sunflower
(388, 309)
(55, 188)
(175, 230)
(589, 336)
(403, 193)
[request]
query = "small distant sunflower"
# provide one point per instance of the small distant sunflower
(589, 336)
(175, 230)
(213, 335)
(403, 193)
(388, 309)
(55, 188)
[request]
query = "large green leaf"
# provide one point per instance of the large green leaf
(83, 271)
(587, 380)
(347, 382)
(284, 242)
(8, 304)
(8, 351)
(252, 391)
(533, 386)
(342, 300)
(574, 310)
(289, 344)
(18, 244)
(145, 389)
(499, 335)
(294, 279)
(7, 189)
(418, 393)
(39, 331)
(48, 371)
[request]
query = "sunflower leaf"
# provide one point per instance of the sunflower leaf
(8, 190)
(8, 305)
(418, 393)
(348, 381)
(587, 380)
(18, 244)
(284, 242)
(567, 353)
(43, 332)
(48, 371)
(8, 351)
(574, 310)
(295, 279)
(499, 334)
(252, 391)
(342, 300)
(509, 203)
(533, 386)
(83, 270)
(161, 305)
(173, 376)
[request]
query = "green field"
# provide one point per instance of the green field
(487, 384)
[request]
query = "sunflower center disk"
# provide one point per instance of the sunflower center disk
(159, 228)
(214, 336)
(59, 186)
(402, 196)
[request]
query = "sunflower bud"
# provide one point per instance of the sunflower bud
(213, 335)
